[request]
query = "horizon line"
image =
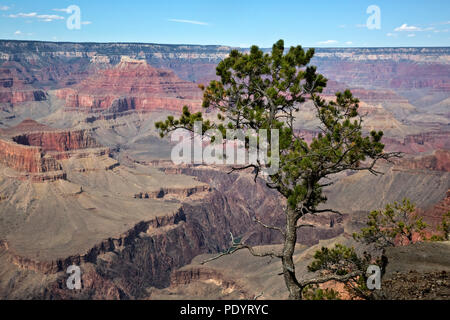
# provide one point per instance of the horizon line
(212, 45)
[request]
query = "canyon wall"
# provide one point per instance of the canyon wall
(16, 85)
(132, 85)
(25, 158)
(72, 62)
(434, 215)
(60, 141)
(31, 147)
(438, 161)
(146, 255)
(418, 143)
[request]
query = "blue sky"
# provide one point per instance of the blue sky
(314, 23)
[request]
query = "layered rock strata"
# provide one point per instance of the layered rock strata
(132, 85)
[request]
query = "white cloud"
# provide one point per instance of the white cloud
(405, 27)
(66, 10)
(86, 22)
(188, 21)
(4, 8)
(42, 17)
(349, 42)
(23, 15)
(361, 25)
(20, 33)
(328, 42)
(50, 16)
(411, 35)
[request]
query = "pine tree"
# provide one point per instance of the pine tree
(260, 90)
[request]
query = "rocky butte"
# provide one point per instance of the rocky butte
(34, 149)
(132, 85)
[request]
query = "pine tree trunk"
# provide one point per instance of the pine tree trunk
(295, 290)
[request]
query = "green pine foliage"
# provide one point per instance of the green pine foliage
(313, 292)
(397, 222)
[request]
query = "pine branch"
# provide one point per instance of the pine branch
(344, 279)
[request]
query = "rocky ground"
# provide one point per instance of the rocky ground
(418, 286)
(418, 272)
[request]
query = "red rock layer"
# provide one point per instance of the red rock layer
(15, 87)
(373, 95)
(27, 125)
(25, 158)
(438, 161)
(422, 142)
(35, 148)
(434, 215)
(388, 74)
(60, 141)
(133, 85)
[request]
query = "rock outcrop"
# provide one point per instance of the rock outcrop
(433, 216)
(172, 192)
(59, 141)
(437, 161)
(26, 159)
(422, 142)
(132, 85)
(15, 87)
(33, 148)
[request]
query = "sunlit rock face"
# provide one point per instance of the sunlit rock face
(133, 85)
(33, 148)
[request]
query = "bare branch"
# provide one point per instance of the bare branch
(326, 210)
(343, 279)
(239, 247)
(258, 296)
(268, 227)
(234, 169)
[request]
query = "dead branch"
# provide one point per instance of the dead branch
(268, 227)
